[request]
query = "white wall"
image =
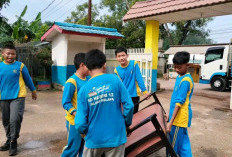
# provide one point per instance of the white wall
(78, 44)
(59, 50)
(64, 47)
(89, 39)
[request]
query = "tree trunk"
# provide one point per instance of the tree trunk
(185, 31)
(167, 31)
(44, 73)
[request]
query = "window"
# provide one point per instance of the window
(214, 54)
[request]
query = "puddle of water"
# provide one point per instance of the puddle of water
(34, 144)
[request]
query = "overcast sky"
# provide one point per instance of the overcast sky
(59, 10)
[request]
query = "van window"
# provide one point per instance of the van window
(213, 55)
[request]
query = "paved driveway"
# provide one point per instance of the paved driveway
(44, 134)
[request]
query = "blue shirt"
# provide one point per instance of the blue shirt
(69, 99)
(104, 110)
(13, 80)
(181, 96)
(131, 78)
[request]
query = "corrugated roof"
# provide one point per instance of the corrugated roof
(166, 11)
(192, 49)
(76, 29)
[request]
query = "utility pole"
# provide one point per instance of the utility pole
(89, 12)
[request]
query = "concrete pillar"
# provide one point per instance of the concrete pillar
(231, 99)
(151, 42)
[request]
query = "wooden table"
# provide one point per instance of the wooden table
(148, 132)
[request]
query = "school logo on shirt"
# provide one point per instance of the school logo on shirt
(92, 94)
(100, 94)
(14, 71)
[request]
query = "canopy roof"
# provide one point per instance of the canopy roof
(167, 11)
(192, 49)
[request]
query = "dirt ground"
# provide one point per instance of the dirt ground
(43, 130)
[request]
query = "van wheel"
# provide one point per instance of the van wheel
(218, 83)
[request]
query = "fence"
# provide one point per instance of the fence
(141, 55)
(26, 56)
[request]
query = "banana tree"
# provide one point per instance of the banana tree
(20, 31)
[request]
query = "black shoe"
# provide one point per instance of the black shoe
(13, 148)
(6, 146)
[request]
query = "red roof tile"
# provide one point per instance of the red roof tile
(158, 7)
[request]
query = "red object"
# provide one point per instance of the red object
(147, 130)
(57, 28)
(44, 86)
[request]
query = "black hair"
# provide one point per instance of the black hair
(8, 46)
(120, 49)
(78, 59)
(181, 57)
(95, 59)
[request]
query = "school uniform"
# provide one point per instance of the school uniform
(13, 80)
(69, 101)
(132, 79)
(181, 96)
(100, 116)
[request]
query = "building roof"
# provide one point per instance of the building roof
(166, 11)
(76, 29)
(192, 49)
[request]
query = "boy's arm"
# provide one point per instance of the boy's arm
(69, 90)
(139, 79)
(27, 78)
(81, 118)
(28, 81)
(169, 124)
(179, 100)
(128, 106)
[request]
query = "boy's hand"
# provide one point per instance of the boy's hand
(34, 95)
(148, 95)
(74, 114)
(127, 129)
(169, 127)
(166, 117)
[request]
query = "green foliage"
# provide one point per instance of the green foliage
(43, 58)
(22, 31)
(80, 16)
(43, 28)
(1, 58)
(4, 2)
(194, 39)
(184, 32)
(133, 31)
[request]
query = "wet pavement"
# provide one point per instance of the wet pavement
(43, 130)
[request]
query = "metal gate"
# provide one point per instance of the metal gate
(142, 56)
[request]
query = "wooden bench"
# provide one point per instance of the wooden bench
(148, 131)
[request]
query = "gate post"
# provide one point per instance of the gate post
(151, 42)
(231, 98)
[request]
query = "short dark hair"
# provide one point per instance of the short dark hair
(8, 46)
(95, 59)
(181, 57)
(120, 49)
(78, 59)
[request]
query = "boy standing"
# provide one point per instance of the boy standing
(180, 108)
(104, 110)
(69, 101)
(129, 73)
(14, 77)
